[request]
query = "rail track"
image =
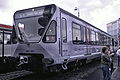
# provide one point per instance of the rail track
(14, 75)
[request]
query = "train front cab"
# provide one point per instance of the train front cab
(36, 37)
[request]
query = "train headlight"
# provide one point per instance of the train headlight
(47, 60)
(23, 59)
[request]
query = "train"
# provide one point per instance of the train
(5, 33)
(50, 39)
(6, 59)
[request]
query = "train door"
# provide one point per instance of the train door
(63, 31)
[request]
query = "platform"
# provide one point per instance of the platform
(116, 74)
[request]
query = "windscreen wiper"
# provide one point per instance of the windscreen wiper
(23, 35)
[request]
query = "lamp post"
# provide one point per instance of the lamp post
(77, 9)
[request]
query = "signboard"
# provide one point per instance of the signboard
(29, 13)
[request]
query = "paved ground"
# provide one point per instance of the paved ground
(116, 74)
(97, 75)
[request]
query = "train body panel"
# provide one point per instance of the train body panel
(7, 50)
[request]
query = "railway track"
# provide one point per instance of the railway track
(14, 75)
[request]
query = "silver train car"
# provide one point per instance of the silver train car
(48, 38)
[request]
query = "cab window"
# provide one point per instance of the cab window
(50, 35)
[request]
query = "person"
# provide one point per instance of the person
(118, 54)
(111, 54)
(105, 64)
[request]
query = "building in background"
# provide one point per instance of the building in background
(113, 28)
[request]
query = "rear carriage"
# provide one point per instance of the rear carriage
(6, 58)
(5, 32)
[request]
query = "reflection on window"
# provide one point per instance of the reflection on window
(29, 28)
(109, 41)
(92, 37)
(97, 38)
(105, 40)
(6, 38)
(88, 35)
(84, 33)
(76, 33)
(101, 38)
(50, 35)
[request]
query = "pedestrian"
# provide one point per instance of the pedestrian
(106, 64)
(111, 54)
(118, 54)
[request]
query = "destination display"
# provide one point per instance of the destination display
(29, 13)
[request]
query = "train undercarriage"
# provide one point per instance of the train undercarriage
(36, 63)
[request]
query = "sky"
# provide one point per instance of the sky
(96, 12)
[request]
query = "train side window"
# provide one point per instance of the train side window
(76, 30)
(50, 36)
(64, 30)
(84, 33)
(87, 35)
(92, 37)
(97, 39)
(100, 38)
(7, 39)
(105, 40)
(109, 40)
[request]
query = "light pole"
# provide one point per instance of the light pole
(77, 9)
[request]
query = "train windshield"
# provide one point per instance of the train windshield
(31, 23)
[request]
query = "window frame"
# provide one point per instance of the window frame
(97, 42)
(88, 32)
(92, 41)
(5, 36)
(79, 41)
(65, 20)
(48, 29)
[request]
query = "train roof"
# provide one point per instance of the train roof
(68, 14)
(83, 20)
(5, 27)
